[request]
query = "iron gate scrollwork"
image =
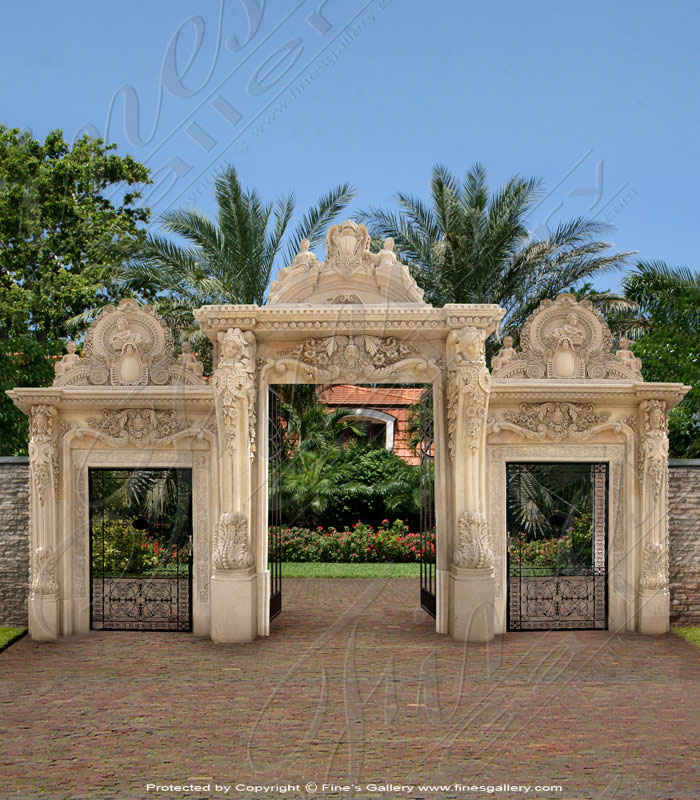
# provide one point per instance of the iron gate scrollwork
(141, 549)
(426, 453)
(276, 455)
(557, 546)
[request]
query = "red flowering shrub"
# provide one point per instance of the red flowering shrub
(393, 543)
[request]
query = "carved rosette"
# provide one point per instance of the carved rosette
(554, 420)
(231, 545)
(653, 567)
(474, 549)
(138, 425)
(44, 572)
(233, 383)
(653, 450)
(43, 453)
(467, 379)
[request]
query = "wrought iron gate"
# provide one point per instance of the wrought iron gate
(276, 453)
(557, 541)
(141, 549)
(426, 452)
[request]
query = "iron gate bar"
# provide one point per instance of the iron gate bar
(141, 602)
(276, 453)
(569, 595)
(426, 452)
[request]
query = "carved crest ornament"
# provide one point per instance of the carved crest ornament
(374, 278)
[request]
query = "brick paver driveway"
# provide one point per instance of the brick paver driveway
(354, 688)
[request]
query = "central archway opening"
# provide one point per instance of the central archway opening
(351, 476)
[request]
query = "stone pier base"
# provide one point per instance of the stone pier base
(471, 604)
(653, 611)
(234, 606)
(44, 617)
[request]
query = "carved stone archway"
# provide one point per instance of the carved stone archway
(357, 317)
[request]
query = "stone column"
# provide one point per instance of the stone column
(44, 597)
(472, 582)
(234, 583)
(653, 597)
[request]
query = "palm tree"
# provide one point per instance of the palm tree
(230, 260)
(664, 296)
(473, 246)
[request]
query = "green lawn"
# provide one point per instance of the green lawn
(334, 570)
(691, 634)
(8, 635)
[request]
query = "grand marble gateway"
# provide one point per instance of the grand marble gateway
(563, 404)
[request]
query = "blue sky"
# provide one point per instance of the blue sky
(600, 99)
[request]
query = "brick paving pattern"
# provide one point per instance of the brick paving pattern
(353, 686)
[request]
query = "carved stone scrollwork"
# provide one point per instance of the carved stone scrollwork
(234, 383)
(44, 572)
(474, 549)
(653, 567)
(231, 546)
(467, 377)
(351, 356)
(567, 339)
(138, 425)
(43, 453)
(556, 420)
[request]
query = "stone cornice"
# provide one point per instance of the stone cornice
(505, 392)
(304, 320)
(70, 399)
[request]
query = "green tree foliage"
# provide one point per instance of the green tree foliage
(471, 245)
(63, 209)
(392, 488)
(232, 259)
(668, 324)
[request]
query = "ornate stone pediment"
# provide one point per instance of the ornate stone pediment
(569, 340)
(351, 273)
(129, 345)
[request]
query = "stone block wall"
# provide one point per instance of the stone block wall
(684, 538)
(14, 540)
(684, 528)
